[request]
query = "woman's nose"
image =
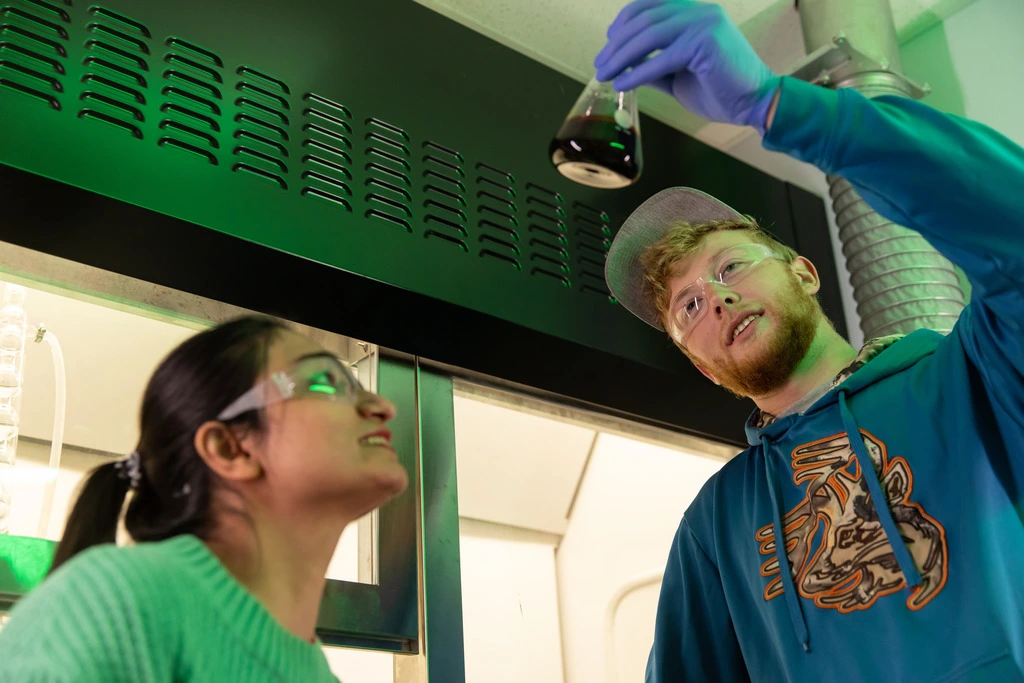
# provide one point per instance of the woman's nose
(372, 405)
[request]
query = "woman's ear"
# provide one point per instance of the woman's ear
(221, 450)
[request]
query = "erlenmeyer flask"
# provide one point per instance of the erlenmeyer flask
(599, 142)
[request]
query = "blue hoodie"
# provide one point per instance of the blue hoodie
(930, 586)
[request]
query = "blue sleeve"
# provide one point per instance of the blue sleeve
(694, 639)
(957, 182)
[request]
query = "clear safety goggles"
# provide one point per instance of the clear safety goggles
(321, 376)
(728, 268)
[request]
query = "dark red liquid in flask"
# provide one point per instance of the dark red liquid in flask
(597, 151)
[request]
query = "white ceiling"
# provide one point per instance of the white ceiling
(566, 34)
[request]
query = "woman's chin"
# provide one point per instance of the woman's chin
(393, 480)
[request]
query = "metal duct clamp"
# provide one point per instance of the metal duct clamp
(841, 65)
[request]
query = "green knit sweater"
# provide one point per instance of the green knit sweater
(162, 612)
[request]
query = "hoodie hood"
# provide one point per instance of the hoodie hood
(886, 355)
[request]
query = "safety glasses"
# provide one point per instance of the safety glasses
(320, 376)
(732, 265)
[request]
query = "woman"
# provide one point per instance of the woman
(257, 448)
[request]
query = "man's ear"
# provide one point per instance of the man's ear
(807, 274)
(221, 450)
(704, 371)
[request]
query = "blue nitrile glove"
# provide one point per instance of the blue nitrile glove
(705, 63)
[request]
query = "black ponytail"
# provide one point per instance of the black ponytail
(94, 517)
(172, 496)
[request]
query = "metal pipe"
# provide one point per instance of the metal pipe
(900, 282)
(57, 439)
(868, 24)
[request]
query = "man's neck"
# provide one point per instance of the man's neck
(828, 355)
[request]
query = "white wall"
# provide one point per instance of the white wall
(508, 456)
(629, 505)
(973, 62)
(30, 475)
(109, 356)
(361, 666)
(509, 604)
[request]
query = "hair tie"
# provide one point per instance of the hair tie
(130, 468)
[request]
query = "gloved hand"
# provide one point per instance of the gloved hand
(705, 63)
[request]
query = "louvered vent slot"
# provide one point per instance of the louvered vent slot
(192, 117)
(548, 234)
(592, 234)
(116, 66)
(261, 124)
(326, 151)
(387, 153)
(444, 190)
(498, 223)
(33, 50)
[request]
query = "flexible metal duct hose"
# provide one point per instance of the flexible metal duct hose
(900, 282)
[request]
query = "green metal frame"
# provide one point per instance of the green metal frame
(439, 509)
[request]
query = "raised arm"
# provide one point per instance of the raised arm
(957, 182)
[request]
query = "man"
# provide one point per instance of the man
(894, 475)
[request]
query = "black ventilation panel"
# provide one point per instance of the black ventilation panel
(117, 66)
(34, 37)
(445, 214)
(374, 138)
(192, 98)
(249, 121)
(326, 151)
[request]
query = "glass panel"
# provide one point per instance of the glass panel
(112, 331)
(566, 518)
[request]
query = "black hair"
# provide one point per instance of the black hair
(192, 385)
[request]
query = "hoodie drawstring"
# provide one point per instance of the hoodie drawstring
(796, 613)
(878, 498)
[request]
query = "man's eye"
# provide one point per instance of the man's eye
(692, 306)
(731, 268)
